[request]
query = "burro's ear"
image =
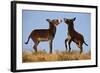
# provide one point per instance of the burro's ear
(74, 18)
(48, 20)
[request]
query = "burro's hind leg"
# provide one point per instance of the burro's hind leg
(81, 50)
(35, 45)
(80, 46)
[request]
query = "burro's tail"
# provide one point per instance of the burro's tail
(85, 43)
(27, 40)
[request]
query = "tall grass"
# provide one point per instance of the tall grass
(41, 56)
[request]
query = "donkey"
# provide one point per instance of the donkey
(39, 35)
(73, 35)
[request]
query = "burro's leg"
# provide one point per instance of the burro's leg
(69, 42)
(35, 45)
(50, 43)
(66, 43)
(80, 46)
(81, 50)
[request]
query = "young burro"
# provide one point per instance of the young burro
(39, 35)
(73, 35)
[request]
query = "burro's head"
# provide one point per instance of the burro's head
(54, 22)
(69, 21)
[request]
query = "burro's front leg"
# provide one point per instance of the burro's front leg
(69, 42)
(50, 43)
(66, 44)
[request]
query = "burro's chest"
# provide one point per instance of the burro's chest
(71, 33)
(69, 36)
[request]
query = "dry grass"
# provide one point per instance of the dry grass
(41, 56)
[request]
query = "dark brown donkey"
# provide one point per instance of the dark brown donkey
(44, 34)
(73, 35)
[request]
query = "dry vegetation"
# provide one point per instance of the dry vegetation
(59, 56)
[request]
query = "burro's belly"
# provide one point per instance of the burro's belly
(43, 39)
(76, 40)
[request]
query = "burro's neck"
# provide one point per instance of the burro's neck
(52, 29)
(71, 28)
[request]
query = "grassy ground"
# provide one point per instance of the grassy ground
(61, 56)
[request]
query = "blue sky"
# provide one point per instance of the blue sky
(32, 20)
